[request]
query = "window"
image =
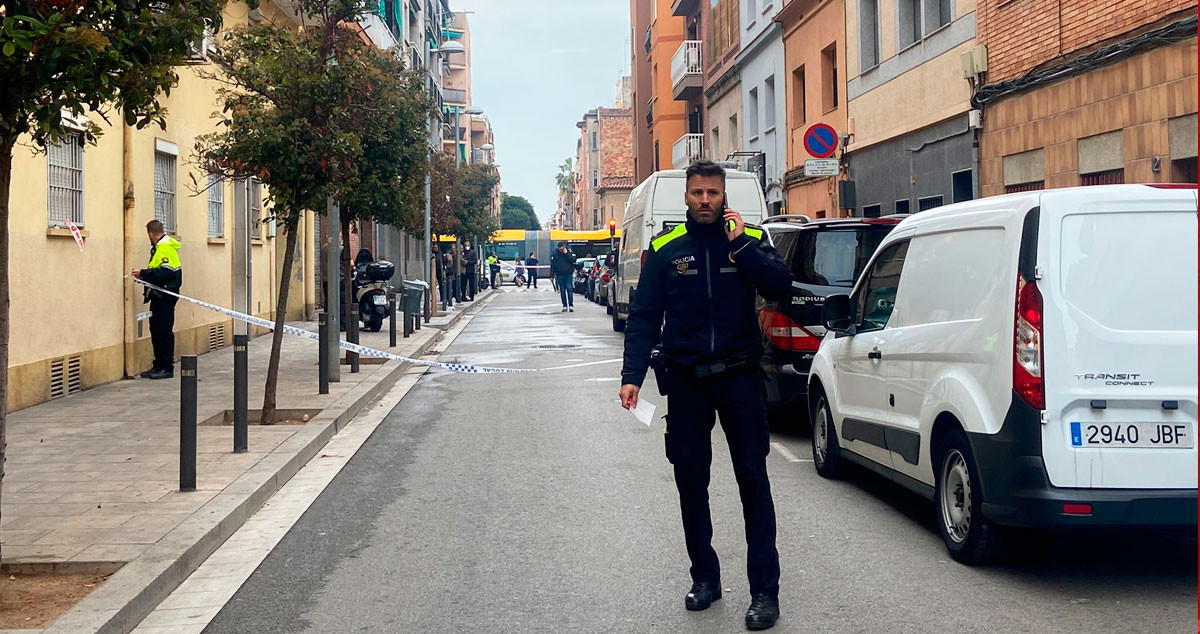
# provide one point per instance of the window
(963, 184)
(902, 206)
(799, 108)
(937, 14)
(829, 80)
(752, 114)
(925, 204)
(751, 10)
(871, 211)
(164, 190)
(868, 34)
(833, 257)
(216, 206)
(877, 297)
(1107, 177)
(734, 140)
(910, 22)
(64, 174)
(716, 142)
(595, 179)
(1183, 170)
(656, 161)
(769, 103)
(255, 209)
(1025, 187)
(595, 141)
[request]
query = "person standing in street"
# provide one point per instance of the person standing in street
(702, 278)
(470, 276)
(493, 268)
(460, 271)
(562, 265)
(531, 263)
(164, 271)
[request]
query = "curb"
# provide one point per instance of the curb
(120, 604)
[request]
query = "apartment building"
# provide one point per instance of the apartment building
(722, 80)
(1090, 92)
(910, 132)
(814, 92)
(96, 333)
(660, 120)
(761, 63)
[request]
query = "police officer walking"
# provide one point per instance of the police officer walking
(164, 271)
(702, 277)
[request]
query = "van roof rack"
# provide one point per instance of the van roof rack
(801, 218)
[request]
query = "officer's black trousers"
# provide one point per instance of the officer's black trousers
(737, 398)
(162, 331)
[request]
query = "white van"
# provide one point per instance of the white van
(658, 204)
(1023, 360)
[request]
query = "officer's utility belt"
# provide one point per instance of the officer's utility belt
(736, 363)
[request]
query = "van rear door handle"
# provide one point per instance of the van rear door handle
(875, 354)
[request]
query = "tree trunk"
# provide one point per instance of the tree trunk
(285, 283)
(6, 147)
(347, 270)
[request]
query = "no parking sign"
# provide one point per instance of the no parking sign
(820, 140)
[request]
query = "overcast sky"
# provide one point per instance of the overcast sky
(537, 66)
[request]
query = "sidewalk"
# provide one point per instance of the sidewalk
(92, 480)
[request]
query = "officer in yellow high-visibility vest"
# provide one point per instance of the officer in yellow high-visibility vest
(165, 271)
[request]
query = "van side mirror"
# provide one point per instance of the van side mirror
(838, 314)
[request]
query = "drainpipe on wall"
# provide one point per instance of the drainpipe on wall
(130, 289)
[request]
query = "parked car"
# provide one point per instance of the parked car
(657, 204)
(594, 278)
(583, 268)
(605, 281)
(825, 257)
(1023, 360)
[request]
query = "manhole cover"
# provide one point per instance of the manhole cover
(557, 346)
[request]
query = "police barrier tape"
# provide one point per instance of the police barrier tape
(364, 350)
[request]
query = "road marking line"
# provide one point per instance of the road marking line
(786, 453)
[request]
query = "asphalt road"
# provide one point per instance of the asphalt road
(533, 503)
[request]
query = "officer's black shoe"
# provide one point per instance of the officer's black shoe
(147, 373)
(702, 595)
(763, 612)
(161, 374)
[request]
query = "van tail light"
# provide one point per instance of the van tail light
(645, 252)
(785, 334)
(604, 278)
(1028, 359)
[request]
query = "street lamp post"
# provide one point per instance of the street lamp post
(446, 48)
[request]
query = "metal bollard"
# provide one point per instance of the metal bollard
(352, 336)
(392, 320)
(187, 423)
(241, 393)
(323, 356)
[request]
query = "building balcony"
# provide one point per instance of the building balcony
(455, 97)
(685, 8)
(687, 71)
(687, 149)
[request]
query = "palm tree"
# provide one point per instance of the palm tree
(564, 177)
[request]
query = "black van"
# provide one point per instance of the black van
(825, 257)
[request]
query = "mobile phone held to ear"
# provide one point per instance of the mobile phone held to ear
(729, 224)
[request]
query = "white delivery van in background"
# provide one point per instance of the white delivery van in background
(657, 204)
(1023, 360)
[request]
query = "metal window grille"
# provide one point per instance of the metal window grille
(64, 164)
(164, 190)
(255, 208)
(216, 206)
(1108, 177)
(1025, 187)
(925, 204)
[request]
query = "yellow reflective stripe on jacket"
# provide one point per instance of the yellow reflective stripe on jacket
(661, 241)
(754, 232)
(166, 255)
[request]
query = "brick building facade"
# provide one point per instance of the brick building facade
(1102, 92)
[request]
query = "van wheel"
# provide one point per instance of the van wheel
(826, 454)
(618, 323)
(970, 538)
(608, 308)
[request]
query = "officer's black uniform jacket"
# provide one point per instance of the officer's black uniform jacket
(704, 284)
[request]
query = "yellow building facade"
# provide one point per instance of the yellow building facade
(74, 318)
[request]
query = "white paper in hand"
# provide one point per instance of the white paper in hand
(644, 411)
